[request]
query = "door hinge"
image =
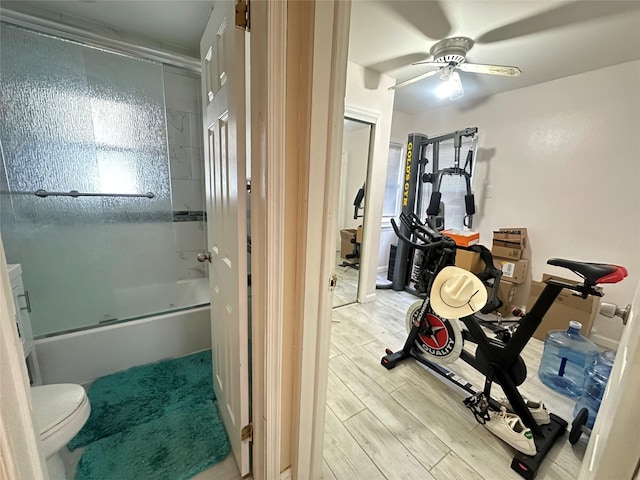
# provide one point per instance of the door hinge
(247, 432)
(334, 281)
(242, 14)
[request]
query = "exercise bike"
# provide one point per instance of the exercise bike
(435, 341)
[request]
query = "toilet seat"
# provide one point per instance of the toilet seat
(60, 412)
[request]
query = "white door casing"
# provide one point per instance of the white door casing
(222, 51)
(330, 48)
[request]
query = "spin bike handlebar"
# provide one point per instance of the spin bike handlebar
(431, 238)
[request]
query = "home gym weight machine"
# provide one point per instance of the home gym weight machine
(414, 176)
(407, 259)
(433, 340)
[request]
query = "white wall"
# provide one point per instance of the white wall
(563, 159)
(400, 127)
(369, 92)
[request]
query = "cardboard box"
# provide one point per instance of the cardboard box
(469, 260)
(567, 307)
(499, 250)
(512, 235)
(346, 247)
(514, 271)
(506, 293)
(359, 235)
(509, 242)
(463, 238)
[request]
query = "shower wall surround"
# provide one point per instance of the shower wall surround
(184, 133)
(79, 118)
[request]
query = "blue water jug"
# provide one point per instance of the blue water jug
(594, 386)
(565, 360)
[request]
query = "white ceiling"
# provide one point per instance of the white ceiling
(545, 39)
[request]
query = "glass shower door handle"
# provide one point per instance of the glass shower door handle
(204, 257)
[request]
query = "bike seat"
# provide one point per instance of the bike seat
(593, 273)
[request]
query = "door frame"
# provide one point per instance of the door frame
(22, 457)
(267, 120)
(319, 224)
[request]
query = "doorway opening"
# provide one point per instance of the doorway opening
(118, 199)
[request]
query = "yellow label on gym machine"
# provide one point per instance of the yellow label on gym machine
(407, 174)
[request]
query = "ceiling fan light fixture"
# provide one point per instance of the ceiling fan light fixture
(449, 55)
(450, 87)
(452, 49)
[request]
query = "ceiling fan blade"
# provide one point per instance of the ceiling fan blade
(430, 64)
(392, 64)
(427, 17)
(414, 79)
(567, 14)
(490, 69)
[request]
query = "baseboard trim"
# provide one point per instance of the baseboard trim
(286, 475)
(603, 341)
(368, 298)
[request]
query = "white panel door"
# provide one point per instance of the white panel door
(223, 79)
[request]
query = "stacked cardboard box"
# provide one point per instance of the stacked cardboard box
(506, 293)
(469, 261)
(508, 248)
(466, 259)
(347, 245)
(463, 238)
(565, 308)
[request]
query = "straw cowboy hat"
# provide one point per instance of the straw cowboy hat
(457, 293)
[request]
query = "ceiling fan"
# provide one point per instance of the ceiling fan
(449, 55)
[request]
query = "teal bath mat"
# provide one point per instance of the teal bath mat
(125, 399)
(152, 422)
(176, 446)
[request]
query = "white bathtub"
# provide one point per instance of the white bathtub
(83, 356)
(161, 297)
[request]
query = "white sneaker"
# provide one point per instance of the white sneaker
(538, 410)
(509, 428)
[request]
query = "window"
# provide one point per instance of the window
(393, 184)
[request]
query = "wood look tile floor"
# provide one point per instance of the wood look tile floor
(408, 423)
(346, 290)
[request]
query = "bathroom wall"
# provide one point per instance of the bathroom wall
(184, 132)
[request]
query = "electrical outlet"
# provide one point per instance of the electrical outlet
(488, 191)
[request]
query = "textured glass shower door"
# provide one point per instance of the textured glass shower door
(78, 118)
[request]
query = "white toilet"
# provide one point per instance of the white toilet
(60, 412)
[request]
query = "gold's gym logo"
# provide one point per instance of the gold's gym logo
(407, 174)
